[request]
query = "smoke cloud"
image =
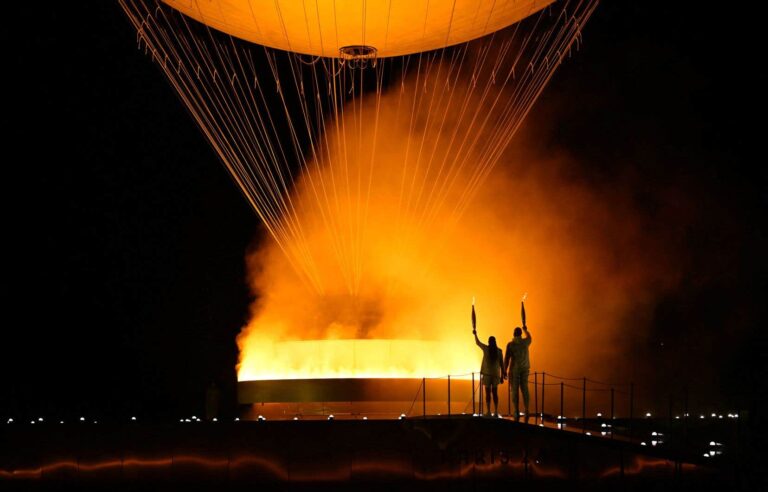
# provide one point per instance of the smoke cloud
(399, 252)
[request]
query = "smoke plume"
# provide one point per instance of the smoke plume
(399, 244)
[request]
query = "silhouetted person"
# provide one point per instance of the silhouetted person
(491, 370)
(518, 366)
(211, 401)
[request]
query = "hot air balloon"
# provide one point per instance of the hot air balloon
(326, 27)
(265, 80)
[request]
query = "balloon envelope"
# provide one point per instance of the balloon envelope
(393, 27)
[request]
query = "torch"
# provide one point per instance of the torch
(474, 318)
(522, 307)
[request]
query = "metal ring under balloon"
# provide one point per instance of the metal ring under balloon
(358, 56)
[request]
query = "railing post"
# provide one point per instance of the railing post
(424, 397)
(584, 406)
(473, 393)
(562, 394)
(480, 392)
(543, 387)
(612, 412)
(535, 398)
(449, 395)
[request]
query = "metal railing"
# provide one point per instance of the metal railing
(607, 408)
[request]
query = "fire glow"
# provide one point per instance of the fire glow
(317, 359)
(398, 268)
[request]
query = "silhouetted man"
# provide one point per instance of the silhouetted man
(517, 363)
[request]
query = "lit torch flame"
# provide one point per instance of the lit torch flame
(522, 307)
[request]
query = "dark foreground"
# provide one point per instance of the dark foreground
(445, 454)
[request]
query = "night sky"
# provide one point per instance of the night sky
(124, 241)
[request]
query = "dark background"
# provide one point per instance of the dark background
(124, 238)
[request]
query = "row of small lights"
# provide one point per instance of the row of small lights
(41, 420)
(649, 415)
(560, 419)
(716, 446)
(654, 442)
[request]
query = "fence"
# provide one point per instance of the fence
(579, 404)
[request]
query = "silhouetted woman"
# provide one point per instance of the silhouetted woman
(491, 371)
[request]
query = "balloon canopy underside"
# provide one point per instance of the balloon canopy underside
(323, 27)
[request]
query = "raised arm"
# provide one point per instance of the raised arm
(528, 338)
(477, 340)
